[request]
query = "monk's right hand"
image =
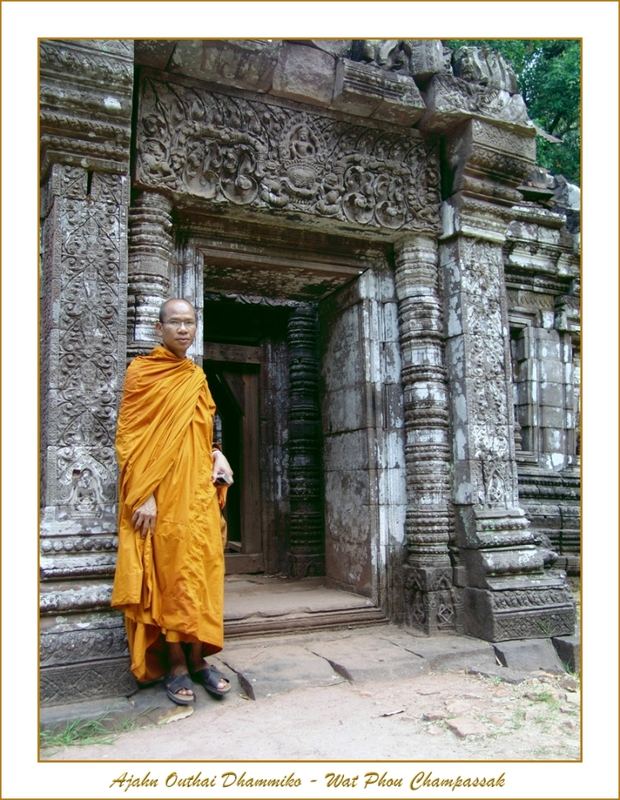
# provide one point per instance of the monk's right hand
(144, 517)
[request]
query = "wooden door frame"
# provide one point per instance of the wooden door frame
(217, 354)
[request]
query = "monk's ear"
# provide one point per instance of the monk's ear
(159, 328)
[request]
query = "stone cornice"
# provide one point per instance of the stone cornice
(86, 89)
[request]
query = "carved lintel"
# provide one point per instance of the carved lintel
(252, 155)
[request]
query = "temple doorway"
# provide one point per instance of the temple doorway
(244, 355)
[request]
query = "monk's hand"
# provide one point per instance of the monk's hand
(221, 466)
(144, 517)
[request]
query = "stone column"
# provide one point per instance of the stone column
(429, 520)
(86, 102)
(187, 281)
(505, 590)
(306, 549)
(150, 253)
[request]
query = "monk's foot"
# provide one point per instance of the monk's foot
(179, 688)
(211, 678)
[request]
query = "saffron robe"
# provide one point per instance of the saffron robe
(169, 584)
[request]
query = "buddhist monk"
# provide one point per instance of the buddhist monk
(169, 578)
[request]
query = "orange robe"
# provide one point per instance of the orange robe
(170, 584)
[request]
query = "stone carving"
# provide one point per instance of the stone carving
(429, 519)
(488, 399)
(448, 95)
(306, 534)
(85, 103)
(389, 96)
(533, 598)
(103, 639)
(84, 316)
(150, 256)
(389, 54)
(78, 61)
(86, 681)
(486, 67)
(78, 544)
(249, 153)
(84, 596)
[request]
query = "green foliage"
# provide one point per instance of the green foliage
(549, 75)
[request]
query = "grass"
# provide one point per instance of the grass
(84, 731)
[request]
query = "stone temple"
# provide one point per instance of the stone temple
(388, 294)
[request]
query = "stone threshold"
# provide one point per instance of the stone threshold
(258, 604)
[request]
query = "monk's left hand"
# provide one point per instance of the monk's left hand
(145, 516)
(221, 465)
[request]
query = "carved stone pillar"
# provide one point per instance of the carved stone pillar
(150, 253)
(86, 94)
(187, 281)
(506, 592)
(306, 550)
(428, 523)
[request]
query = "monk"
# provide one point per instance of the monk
(169, 578)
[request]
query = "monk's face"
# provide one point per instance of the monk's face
(178, 330)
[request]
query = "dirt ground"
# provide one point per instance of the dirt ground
(437, 715)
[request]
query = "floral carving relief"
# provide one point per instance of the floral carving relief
(488, 396)
(250, 153)
(86, 373)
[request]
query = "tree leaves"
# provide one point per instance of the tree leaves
(549, 75)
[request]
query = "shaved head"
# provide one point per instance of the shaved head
(164, 307)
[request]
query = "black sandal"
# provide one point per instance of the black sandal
(210, 678)
(174, 683)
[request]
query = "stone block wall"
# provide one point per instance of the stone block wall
(362, 412)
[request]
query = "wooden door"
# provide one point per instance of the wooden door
(233, 374)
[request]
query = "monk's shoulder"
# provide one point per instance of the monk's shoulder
(135, 370)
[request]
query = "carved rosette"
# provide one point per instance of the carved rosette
(306, 533)
(429, 522)
(251, 154)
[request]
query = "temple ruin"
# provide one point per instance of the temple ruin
(388, 297)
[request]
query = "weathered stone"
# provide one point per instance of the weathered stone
(440, 470)
(486, 67)
(427, 58)
(568, 649)
(363, 90)
(466, 726)
(336, 47)
(304, 73)
(86, 103)
(529, 655)
(154, 52)
(243, 63)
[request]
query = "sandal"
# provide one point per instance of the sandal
(174, 683)
(210, 678)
